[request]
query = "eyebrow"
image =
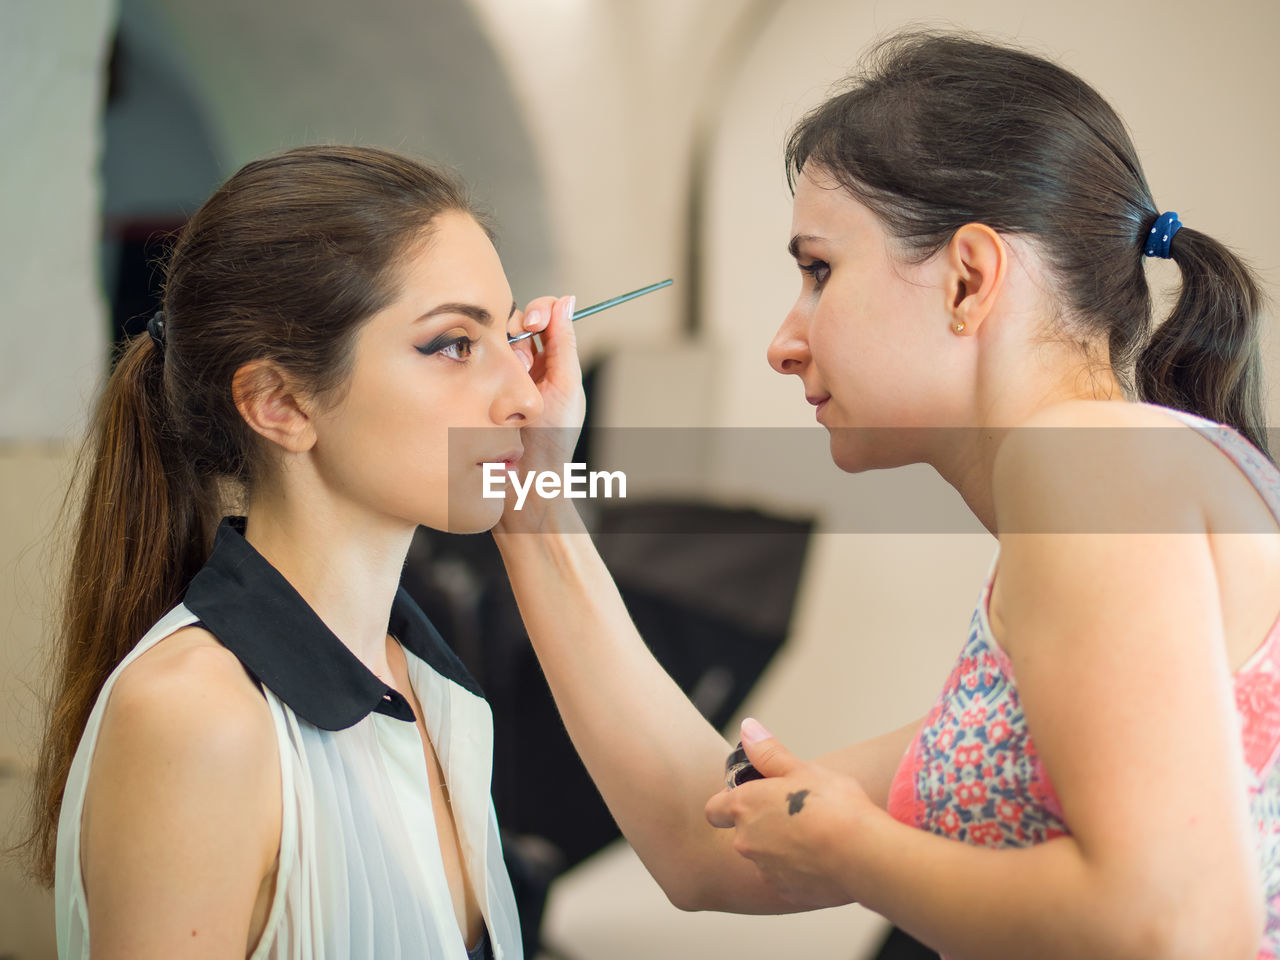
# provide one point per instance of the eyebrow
(478, 314)
(793, 247)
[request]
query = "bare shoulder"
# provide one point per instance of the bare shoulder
(186, 712)
(182, 812)
(1102, 413)
(189, 684)
(185, 709)
(1064, 483)
(1104, 467)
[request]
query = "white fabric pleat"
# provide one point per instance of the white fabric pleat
(360, 872)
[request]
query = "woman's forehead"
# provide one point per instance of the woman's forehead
(825, 210)
(457, 263)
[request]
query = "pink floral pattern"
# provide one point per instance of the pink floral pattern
(972, 773)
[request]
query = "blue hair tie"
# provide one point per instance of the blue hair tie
(1161, 235)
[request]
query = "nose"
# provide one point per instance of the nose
(517, 401)
(789, 351)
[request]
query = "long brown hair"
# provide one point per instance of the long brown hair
(284, 262)
(944, 129)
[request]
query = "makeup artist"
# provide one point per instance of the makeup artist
(1098, 777)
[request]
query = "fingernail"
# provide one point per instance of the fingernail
(531, 319)
(573, 302)
(753, 731)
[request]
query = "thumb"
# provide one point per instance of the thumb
(764, 751)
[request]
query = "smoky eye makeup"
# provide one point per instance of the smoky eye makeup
(454, 341)
(818, 269)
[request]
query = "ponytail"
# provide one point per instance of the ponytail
(1205, 358)
(140, 536)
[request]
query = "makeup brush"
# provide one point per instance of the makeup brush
(602, 305)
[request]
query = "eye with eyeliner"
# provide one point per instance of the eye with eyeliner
(819, 270)
(455, 346)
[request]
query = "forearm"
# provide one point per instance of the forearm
(1045, 901)
(652, 755)
(874, 762)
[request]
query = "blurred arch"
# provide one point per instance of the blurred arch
(204, 88)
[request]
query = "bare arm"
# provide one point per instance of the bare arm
(874, 762)
(652, 755)
(182, 814)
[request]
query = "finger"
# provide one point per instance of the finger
(525, 351)
(537, 314)
(764, 751)
(719, 811)
(539, 368)
(560, 342)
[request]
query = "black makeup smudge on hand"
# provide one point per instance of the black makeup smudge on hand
(795, 801)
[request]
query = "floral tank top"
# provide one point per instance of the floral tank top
(972, 773)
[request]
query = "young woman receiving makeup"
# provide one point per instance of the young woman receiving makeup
(1100, 777)
(259, 746)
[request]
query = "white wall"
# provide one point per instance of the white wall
(53, 334)
(613, 92)
(421, 78)
(52, 322)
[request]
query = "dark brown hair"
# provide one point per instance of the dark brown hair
(944, 129)
(284, 262)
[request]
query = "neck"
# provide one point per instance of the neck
(343, 562)
(966, 458)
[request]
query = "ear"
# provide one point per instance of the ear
(270, 404)
(977, 258)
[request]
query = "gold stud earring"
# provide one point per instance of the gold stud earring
(959, 327)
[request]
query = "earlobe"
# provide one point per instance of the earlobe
(270, 405)
(977, 257)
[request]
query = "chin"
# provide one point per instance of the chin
(856, 450)
(479, 517)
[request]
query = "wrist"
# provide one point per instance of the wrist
(557, 518)
(855, 851)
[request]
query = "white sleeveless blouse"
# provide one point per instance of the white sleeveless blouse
(360, 871)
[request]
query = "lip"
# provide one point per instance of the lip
(819, 402)
(507, 459)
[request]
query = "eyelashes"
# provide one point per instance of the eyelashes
(820, 270)
(455, 344)
(456, 348)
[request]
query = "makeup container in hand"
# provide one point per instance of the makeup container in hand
(738, 769)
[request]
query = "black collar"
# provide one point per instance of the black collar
(257, 615)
